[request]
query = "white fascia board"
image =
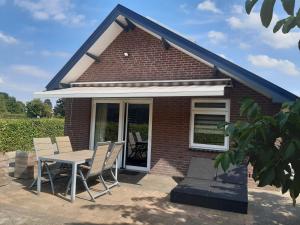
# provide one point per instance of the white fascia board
(112, 92)
(97, 48)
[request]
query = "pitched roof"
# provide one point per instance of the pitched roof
(276, 93)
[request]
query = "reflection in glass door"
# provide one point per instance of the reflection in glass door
(136, 155)
(106, 122)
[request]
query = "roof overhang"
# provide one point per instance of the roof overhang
(134, 92)
(109, 29)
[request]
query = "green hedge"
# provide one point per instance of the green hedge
(12, 116)
(17, 134)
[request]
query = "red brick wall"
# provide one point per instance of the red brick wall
(148, 60)
(240, 91)
(170, 136)
(170, 129)
(77, 122)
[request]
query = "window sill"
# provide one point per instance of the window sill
(198, 149)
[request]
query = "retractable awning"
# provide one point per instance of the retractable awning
(148, 91)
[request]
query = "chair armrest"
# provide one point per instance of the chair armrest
(85, 167)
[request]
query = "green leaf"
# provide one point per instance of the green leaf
(289, 24)
(285, 186)
(229, 130)
(289, 6)
(290, 150)
(278, 25)
(253, 112)
(249, 5)
(266, 177)
(266, 12)
(225, 162)
(298, 18)
(218, 160)
(222, 125)
(286, 105)
(297, 144)
(283, 119)
(246, 104)
(295, 188)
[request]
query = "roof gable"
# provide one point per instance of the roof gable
(276, 93)
(148, 60)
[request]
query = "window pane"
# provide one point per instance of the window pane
(106, 122)
(206, 129)
(221, 105)
(137, 135)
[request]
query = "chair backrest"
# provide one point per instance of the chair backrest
(43, 147)
(131, 140)
(99, 158)
(138, 136)
(64, 144)
(113, 154)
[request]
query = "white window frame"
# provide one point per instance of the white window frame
(211, 111)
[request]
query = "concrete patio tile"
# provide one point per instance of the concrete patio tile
(134, 203)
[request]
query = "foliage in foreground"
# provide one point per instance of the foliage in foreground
(17, 134)
(270, 144)
(266, 14)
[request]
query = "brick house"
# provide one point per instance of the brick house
(137, 81)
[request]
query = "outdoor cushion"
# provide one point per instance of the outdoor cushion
(234, 175)
(202, 168)
(226, 191)
(214, 189)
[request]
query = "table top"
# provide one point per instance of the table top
(70, 157)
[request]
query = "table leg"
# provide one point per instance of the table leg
(73, 186)
(39, 176)
(116, 169)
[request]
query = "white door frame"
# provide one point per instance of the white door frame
(122, 102)
(150, 103)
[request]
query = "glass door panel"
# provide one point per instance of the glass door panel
(106, 122)
(137, 135)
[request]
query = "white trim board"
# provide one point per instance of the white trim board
(123, 92)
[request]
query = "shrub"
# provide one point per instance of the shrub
(12, 115)
(271, 144)
(17, 134)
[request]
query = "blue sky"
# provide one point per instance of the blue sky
(37, 37)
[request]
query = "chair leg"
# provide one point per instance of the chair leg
(50, 177)
(85, 185)
(68, 186)
(35, 180)
(33, 183)
(104, 184)
(114, 177)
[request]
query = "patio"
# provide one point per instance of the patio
(141, 199)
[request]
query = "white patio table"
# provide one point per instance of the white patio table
(74, 158)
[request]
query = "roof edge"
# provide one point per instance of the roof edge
(269, 89)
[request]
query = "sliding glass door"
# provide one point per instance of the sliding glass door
(124, 120)
(137, 139)
(107, 117)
